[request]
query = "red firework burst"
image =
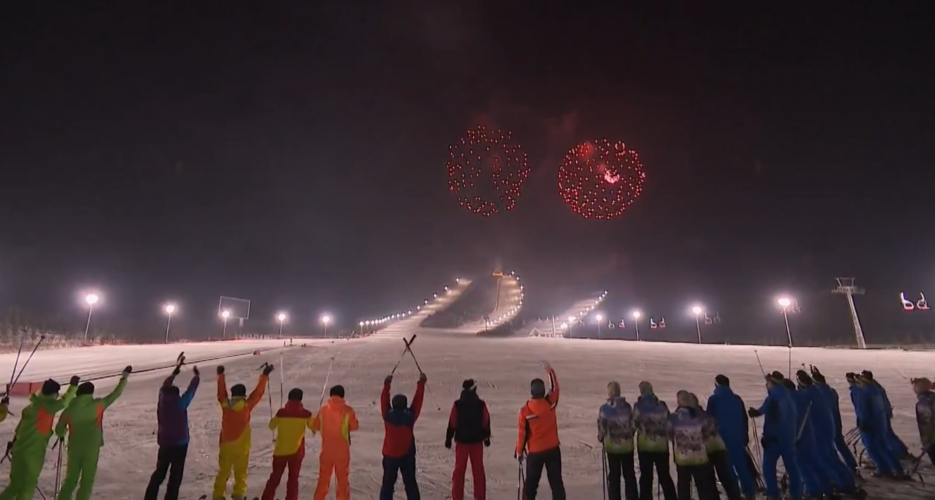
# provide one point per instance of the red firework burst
(600, 179)
(486, 171)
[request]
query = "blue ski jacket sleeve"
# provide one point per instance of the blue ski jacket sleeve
(186, 399)
(862, 407)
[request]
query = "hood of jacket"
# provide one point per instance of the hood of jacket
(723, 390)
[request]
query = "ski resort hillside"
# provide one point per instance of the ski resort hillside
(501, 367)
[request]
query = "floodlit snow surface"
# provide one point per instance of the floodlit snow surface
(502, 368)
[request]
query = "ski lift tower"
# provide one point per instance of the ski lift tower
(846, 287)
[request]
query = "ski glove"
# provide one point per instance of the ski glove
(448, 444)
(5, 400)
(487, 442)
(74, 380)
(268, 370)
(127, 371)
(753, 412)
(423, 377)
(388, 379)
(195, 369)
(176, 371)
(221, 370)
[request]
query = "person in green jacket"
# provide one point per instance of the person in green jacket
(32, 438)
(84, 419)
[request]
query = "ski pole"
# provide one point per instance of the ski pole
(23, 368)
(321, 401)
(58, 470)
(403, 355)
(409, 349)
(757, 353)
(13, 375)
(604, 472)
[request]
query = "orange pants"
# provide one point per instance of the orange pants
(341, 466)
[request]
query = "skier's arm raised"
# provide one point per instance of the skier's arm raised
(222, 386)
(385, 395)
(416, 407)
(186, 400)
(553, 394)
(260, 389)
(62, 402)
(110, 398)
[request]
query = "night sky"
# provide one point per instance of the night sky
(293, 153)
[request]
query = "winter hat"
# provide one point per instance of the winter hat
(788, 384)
(337, 390)
(239, 391)
(296, 395)
(85, 388)
(777, 375)
(50, 387)
(613, 390)
(469, 385)
(172, 389)
(867, 374)
(722, 380)
(537, 388)
(400, 402)
(818, 376)
(804, 378)
(645, 388)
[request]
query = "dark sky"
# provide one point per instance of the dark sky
(294, 153)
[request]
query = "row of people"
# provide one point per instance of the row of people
(803, 428)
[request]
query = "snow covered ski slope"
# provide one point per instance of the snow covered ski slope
(502, 368)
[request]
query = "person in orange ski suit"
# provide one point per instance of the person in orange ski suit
(336, 420)
(234, 453)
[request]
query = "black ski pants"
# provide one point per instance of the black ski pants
(171, 460)
(552, 461)
(659, 460)
(702, 476)
(395, 467)
(621, 465)
(725, 474)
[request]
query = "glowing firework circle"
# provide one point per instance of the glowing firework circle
(600, 179)
(486, 171)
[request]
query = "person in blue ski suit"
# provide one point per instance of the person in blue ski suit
(871, 421)
(728, 409)
(779, 433)
(925, 414)
(833, 401)
(815, 478)
(821, 421)
(893, 442)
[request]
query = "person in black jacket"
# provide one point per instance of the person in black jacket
(469, 426)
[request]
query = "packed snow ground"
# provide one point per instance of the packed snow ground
(502, 367)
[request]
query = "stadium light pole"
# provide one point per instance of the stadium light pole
(697, 310)
(325, 319)
(91, 299)
(599, 318)
(170, 309)
(224, 315)
(784, 303)
(282, 319)
(636, 321)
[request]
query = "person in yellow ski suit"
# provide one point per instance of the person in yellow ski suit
(336, 420)
(234, 453)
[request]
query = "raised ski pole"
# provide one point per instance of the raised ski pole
(403, 355)
(409, 349)
(324, 388)
(23, 368)
(13, 375)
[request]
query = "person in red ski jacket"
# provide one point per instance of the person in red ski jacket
(399, 444)
(469, 426)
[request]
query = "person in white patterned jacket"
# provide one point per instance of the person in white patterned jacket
(650, 416)
(615, 431)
